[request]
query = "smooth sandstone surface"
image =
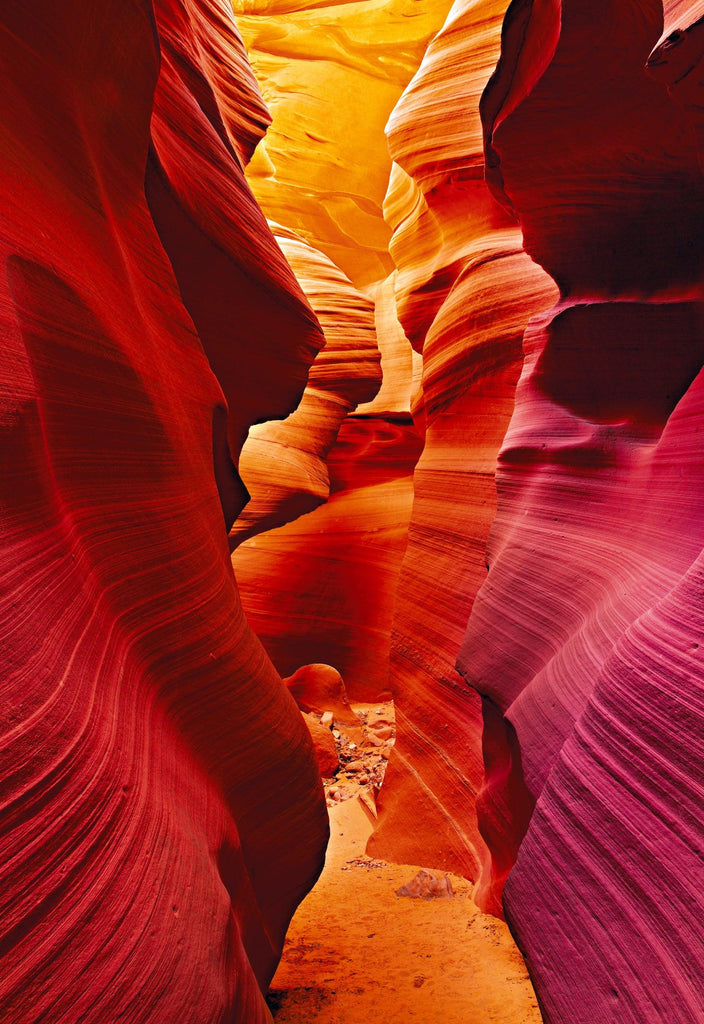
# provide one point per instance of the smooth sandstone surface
(322, 588)
(252, 318)
(330, 74)
(283, 463)
(151, 858)
(167, 355)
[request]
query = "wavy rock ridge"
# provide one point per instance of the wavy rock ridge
(150, 857)
(162, 362)
(464, 293)
(583, 549)
(586, 634)
(331, 76)
(284, 464)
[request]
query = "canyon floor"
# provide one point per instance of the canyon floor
(357, 951)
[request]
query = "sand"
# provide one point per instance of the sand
(356, 952)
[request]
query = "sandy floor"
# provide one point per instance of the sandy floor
(357, 952)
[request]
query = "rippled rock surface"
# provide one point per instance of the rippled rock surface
(586, 637)
(151, 855)
(464, 294)
(331, 74)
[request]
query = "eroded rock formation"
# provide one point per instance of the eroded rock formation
(162, 812)
(465, 292)
(586, 635)
(151, 857)
(331, 577)
(331, 78)
(284, 464)
(331, 75)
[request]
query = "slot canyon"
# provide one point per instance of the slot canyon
(352, 512)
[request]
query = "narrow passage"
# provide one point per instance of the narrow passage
(357, 953)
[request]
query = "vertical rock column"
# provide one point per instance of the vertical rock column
(464, 292)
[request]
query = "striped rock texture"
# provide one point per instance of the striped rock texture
(331, 75)
(322, 589)
(465, 292)
(161, 813)
(150, 853)
(283, 464)
(586, 638)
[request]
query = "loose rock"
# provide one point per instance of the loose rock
(427, 886)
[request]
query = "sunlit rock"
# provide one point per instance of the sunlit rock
(283, 463)
(331, 75)
(465, 292)
(331, 576)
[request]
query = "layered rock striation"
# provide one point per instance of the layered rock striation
(586, 635)
(165, 381)
(322, 588)
(284, 464)
(150, 856)
(464, 293)
(331, 74)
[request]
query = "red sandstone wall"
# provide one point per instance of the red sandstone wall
(150, 855)
(151, 852)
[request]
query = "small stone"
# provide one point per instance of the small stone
(418, 981)
(363, 779)
(383, 732)
(336, 733)
(427, 886)
(327, 718)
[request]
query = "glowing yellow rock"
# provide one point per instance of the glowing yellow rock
(331, 76)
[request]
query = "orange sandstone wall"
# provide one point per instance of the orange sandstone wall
(464, 292)
(321, 589)
(330, 75)
(161, 813)
(283, 464)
